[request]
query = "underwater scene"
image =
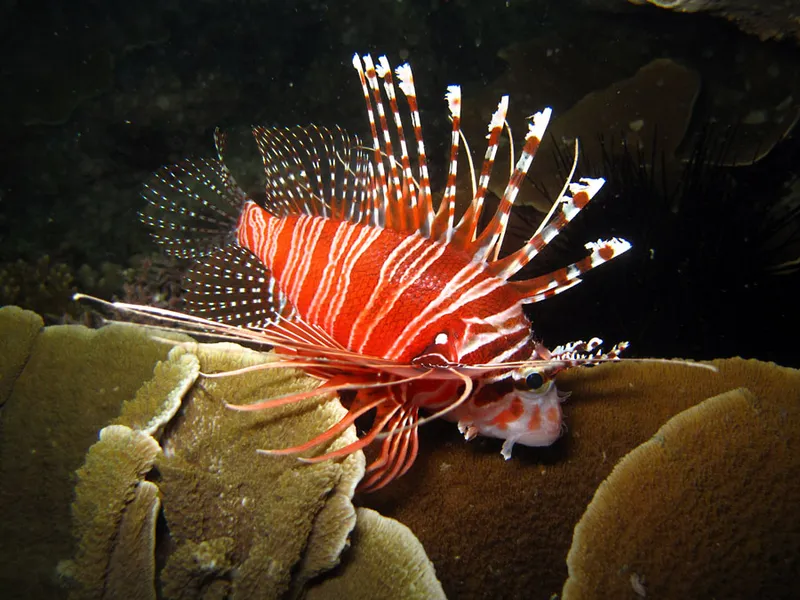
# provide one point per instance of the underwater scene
(399, 299)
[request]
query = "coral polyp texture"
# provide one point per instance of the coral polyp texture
(126, 413)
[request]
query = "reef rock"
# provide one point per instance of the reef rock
(768, 19)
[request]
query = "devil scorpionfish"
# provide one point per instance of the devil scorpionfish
(345, 267)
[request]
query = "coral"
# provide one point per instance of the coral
(132, 565)
(235, 523)
(386, 561)
(107, 281)
(515, 519)
(43, 286)
(701, 509)
(157, 401)
(104, 515)
(193, 566)
(18, 331)
(210, 461)
(155, 281)
(73, 383)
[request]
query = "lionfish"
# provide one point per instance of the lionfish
(348, 271)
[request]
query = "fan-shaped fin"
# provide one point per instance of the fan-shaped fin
(230, 285)
(315, 171)
(192, 207)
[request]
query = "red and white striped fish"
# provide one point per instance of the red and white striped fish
(346, 268)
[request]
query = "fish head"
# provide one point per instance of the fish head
(520, 407)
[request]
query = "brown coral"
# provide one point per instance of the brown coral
(132, 568)
(237, 523)
(216, 486)
(699, 510)
(18, 331)
(496, 528)
(386, 561)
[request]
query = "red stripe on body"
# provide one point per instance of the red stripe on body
(365, 286)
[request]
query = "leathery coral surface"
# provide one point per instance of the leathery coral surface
(503, 529)
(715, 493)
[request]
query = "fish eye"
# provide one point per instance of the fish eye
(534, 380)
(531, 380)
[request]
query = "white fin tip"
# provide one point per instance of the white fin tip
(453, 97)
(383, 66)
(617, 245)
(405, 79)
(499, 116)
(539, 123)
(588, 185)
(368, 64)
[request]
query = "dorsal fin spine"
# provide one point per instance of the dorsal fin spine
(443, 221)
(544, 286)
(405, 80)
(489, 237)
(380, 192)
(394, 194)
(464, 233)
(407, 187)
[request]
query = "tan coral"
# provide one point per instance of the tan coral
(215, 484)
(240, 523)
(200, 570)
(18, 330)
(157, 401)
(106, 490)
(132, 569)
(706, 508)
(386, 561)
(72, 385)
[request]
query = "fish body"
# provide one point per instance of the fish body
(346, 268)
(389, 294)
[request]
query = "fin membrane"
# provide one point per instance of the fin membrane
(230, 285)
(192, 207)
